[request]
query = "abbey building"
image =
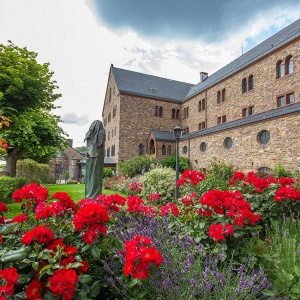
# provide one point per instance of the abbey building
(247, 113)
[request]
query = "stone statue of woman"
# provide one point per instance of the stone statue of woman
(95, 140)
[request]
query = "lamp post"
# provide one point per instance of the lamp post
(177, 131)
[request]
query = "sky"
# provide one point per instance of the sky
(175, 39)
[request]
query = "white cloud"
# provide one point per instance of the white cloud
(80, 49)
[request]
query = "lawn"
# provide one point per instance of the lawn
(76, 192)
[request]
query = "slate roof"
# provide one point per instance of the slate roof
(163, 135)
(150, 86)
(166, 89)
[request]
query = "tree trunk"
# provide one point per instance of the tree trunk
(11, 162)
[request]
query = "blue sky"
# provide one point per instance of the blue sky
(167, 38)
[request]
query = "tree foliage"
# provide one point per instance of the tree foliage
(27, 96)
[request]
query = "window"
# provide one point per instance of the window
(221, 119)
(177, 114)
(184, 149)
(155, 110)
(203, 147)
(186, 112)
(248, 111)
(169, 150)
(109, 117)
(263, 137)
(114, 111)
(289, 65)
(173, 113)
(285, 99)
(228, 143)
(223, 95)
(108, 152)
(185, 130)
(113, 151)
(160, 112)
(250, 83)
(141, 149)
(218, 97)
(201, 105)
(105, 122)
(290, 98)
(108, 135)
(201, 125)
(163, 150)
(280, 69)
(244, 85)
(109, 99)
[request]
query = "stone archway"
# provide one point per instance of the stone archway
(152, 147)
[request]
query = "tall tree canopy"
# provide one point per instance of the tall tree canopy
(27, 96)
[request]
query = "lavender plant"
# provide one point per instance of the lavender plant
(188, 271)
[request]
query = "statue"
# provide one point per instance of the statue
(95, 139)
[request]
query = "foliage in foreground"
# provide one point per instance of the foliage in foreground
(112, 246)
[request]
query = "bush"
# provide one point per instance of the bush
(8, 185)
(72, 182)
(280, 171)
(160, 180)
(118, 183)
(108, 172)
(134, 166)
(170, 162)
(33, 171)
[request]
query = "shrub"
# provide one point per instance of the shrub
(108, 172)
(170, 162)
(160, 180)
(281, 171)
(118, 183)
(72, 182)
(33, 171)
(221, 170)
(8, 185)
(134, 166)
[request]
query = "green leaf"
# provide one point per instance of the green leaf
(269, 293)
(85, 278)
(95, 288)
(297, 270)
(295, 290)
(133, 282)
(95, 252)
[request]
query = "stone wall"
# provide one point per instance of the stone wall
(247, 152)
(134, 117)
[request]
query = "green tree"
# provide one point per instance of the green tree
(27, 96)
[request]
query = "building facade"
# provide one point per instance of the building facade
(246, 113)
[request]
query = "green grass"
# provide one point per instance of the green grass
(76, 192)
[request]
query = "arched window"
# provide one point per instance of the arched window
(155, 110)
(113, 150)
(199, 105)
(169, 150)
(184, 112)
(223, 95)
(160, 113)
(289, 65)
(108, 152)
(218, 97)
(280, 69)
(163, 150)
(244, 85)
(177, 114)
(152, 147)
(250, 83)
(184, 149)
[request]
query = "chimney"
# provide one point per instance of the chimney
(70, 142)
(203, 76)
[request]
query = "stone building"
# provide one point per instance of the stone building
(246, 113)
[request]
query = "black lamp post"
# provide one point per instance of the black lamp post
(177, 134)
